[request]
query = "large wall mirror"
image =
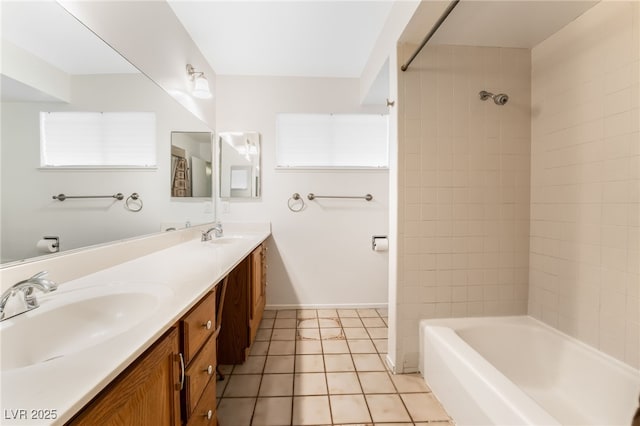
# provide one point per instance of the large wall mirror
(239, 165)
(52, 63)
(191, 164)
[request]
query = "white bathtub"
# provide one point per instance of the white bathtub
(518, 371)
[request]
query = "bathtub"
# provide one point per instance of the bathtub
(519, 371)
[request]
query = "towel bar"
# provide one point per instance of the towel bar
(367, 197)
(62, 197)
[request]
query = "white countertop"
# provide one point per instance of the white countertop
(183, 274)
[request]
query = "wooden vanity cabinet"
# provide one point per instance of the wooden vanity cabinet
(155, 390)
(174, 381)
(146, 393)
(199, 350)
(243, 308)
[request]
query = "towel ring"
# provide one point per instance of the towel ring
(135, 197)
(290, 203)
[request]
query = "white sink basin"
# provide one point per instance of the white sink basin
(227, 239)
(72, 321)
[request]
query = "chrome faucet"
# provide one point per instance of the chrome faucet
(27, 287)
(206, 235)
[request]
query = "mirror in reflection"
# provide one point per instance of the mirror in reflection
(191, 164)
(239, 165)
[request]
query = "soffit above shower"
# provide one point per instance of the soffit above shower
(315, 38)
(521, 24)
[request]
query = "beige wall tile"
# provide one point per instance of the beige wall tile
(466, 213)
(583, 179)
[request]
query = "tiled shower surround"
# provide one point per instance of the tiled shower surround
(323, 367)
(585, 179)
(463, 243)
(532, 207)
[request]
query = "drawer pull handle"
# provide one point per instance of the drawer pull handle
(209, 370)
(207, 325)
(181, 371)
(209, 414)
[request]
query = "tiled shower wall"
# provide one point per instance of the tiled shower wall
(585, 216)
(463, 188)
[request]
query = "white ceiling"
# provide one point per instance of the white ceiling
(321, 38)
(47, 31)
(513, 23)
(317, 38)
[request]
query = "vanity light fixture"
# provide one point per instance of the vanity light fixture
(200, 83)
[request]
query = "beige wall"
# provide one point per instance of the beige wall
(463, 190)
(585, 216)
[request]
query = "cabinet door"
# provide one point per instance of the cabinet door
(146, 393)
(234, 338)
(258, 298)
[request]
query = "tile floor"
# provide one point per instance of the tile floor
(323, 367)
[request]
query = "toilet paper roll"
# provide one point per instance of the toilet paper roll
(380, 244)
(47, 246)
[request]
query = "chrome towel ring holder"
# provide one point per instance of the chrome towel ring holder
(295, 203)
(137, 204)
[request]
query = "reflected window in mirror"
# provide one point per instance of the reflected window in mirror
(97, 139)
(239, 165)
(191, 165)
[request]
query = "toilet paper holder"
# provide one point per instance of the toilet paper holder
(56, 239)
(376, 237)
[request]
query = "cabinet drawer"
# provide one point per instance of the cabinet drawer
(198, 325)
(205, 411)
(198, 374)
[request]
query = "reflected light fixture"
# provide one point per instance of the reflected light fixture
(200, 83)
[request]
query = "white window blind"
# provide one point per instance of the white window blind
(97, 139)
(332, 140)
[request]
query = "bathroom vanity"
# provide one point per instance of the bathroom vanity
(156, 362)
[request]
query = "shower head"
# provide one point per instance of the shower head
(499, 99)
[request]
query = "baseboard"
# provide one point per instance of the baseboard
(390, 364)
(329, 306)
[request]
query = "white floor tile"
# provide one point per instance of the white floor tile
(310, 410)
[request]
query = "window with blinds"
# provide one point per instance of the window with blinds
(332, 141)
(97, 139)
